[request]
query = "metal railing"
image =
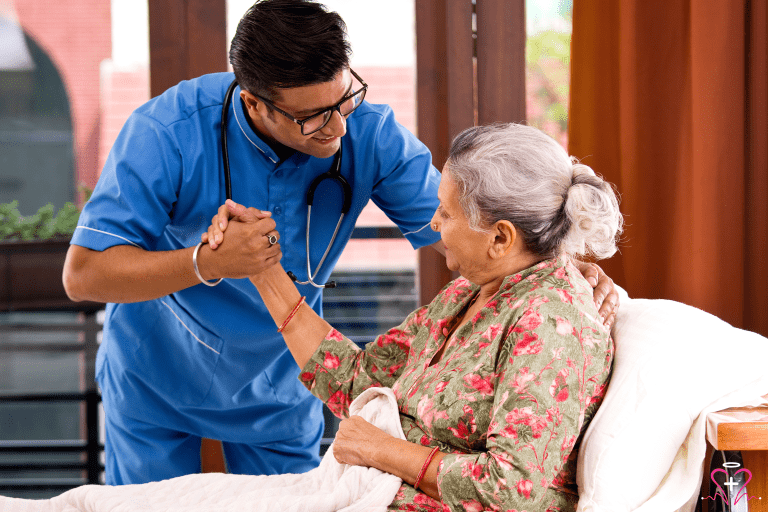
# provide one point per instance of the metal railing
(20, 335)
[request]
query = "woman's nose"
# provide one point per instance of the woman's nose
(434, 224)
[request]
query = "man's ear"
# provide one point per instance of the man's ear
(504, 236)
(250, 100)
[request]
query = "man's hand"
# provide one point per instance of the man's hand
(229, 210)
(247, 250)
(605, 294)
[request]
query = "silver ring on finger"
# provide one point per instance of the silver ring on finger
(272, 239)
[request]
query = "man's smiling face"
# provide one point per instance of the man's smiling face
(302, 102)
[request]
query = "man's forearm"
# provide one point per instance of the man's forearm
(125, 273)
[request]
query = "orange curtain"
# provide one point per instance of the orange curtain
(669, 101)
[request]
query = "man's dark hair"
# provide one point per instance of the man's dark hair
(288, 43)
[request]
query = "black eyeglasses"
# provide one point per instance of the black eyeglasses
(316, 122)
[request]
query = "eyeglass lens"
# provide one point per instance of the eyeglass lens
(349, 105)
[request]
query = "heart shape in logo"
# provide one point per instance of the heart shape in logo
(743, 489)
(740, 493)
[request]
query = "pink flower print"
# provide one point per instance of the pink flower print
(524, 488)
(526, 425)
(536, 301)
(440, 328)
(331, 361)
(461, 431)
(308, 376)
(454, 292)
(472, 506)
(599, 392)
(492, 332)
(528, 344)
(441, 386)
(427, 503)
(426, 411)
(587, 340)
(559, 387)
(474, 471)
(564, 327)
(554, 415)
(334, 335)
(530, 321)
(338, 403)
(502, 459)
(479, 384)
(564, 296)
(568, 442)
(523, 377)
(560, 273)
(466, 425)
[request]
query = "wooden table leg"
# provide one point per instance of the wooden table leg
(757, 462)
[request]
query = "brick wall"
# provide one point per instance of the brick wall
(76, 34)
(122, 91)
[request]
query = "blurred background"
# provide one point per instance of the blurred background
(70, 75)
(667, 99)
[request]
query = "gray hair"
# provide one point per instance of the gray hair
(517, 173)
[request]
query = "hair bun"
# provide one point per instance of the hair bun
(592, 208)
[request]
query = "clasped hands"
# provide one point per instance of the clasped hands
(248, 251)
(252, 253)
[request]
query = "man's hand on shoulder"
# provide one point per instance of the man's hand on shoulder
(605, 293)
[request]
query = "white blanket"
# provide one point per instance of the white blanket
(329, 487)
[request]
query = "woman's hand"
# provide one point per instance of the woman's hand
(605, 293)
(356, 441)
(360, 443)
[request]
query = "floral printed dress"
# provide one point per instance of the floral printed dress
(507, 401)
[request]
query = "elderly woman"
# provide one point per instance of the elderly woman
(498, 378)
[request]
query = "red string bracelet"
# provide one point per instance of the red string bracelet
(290, 316)
(425, 466)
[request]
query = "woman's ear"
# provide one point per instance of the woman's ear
(504, 236)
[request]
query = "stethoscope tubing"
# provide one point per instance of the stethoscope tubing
(333, 174)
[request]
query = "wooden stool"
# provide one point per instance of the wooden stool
(744, 429)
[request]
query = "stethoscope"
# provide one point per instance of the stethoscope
(333, 174)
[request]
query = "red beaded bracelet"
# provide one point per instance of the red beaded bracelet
(425, 466)
(290, 316)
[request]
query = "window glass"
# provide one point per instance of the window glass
(548, 59)
(36, 153)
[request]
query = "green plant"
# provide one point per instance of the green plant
(40, 226)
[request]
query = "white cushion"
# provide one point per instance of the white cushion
(673, 362)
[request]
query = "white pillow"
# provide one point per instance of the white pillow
(672, 363)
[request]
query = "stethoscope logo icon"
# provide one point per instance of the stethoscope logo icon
(733, 495)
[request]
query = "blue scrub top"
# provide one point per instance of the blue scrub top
(209, 361)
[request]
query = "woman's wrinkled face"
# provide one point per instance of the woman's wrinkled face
(466, 250)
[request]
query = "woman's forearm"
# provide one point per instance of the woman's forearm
(306, 330)
(405, 460)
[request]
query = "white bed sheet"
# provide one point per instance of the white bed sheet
(329, 487)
